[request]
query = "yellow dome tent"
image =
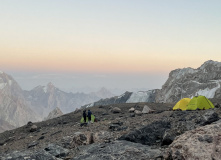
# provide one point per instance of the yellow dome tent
(200, 102)
(182, 104)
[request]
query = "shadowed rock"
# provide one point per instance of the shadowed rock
(117, 150)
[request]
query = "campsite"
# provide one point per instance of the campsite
(197, 102)
(126, 129)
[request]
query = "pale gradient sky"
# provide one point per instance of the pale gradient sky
(145, 39)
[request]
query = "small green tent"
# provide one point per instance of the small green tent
(92, 119)
(200, 102)
(182, 104)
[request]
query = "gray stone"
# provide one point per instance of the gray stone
(132, 115)
(57, 151)
(80, 138)
(116, 110)
(146, 109)
(148, 135)
(217, 105)
(33, 128)
(209, 117)
(168, 137)
(131, 110)
(139, 113)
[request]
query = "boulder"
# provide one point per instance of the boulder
(102, 136)
(132, 115)
(131, 110)
(168, 137)
(149, 135)
(29, 124)
(146, 109)
(209, 117)
(139, 113)
(114, 127)
(116, 110)
(217, 105)
(117, 126)
(57, 151)
(33, 128)
(79, 138)
(66, 142)
(200, 143)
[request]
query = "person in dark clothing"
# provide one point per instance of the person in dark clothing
(89, 115)
(85, 116)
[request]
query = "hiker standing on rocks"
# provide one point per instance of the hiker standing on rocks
(85, 116)
(89, 115)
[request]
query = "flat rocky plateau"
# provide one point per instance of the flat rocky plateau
(119, 134)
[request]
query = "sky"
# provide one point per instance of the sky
(110, 43)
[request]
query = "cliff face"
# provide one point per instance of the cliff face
(13, 106)
(189, 82)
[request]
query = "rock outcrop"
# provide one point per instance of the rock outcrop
(165, 131)
(189, 82)
(146, 109)
(117, 150)
(116, 110)
(201, 143)
(55, 113)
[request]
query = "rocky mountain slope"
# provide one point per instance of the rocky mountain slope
(182, 83)
(126, 134)
(14, 109)
(189, 82)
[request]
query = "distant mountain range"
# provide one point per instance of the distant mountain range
(43, 99)
(18, 106)
(186, 82)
